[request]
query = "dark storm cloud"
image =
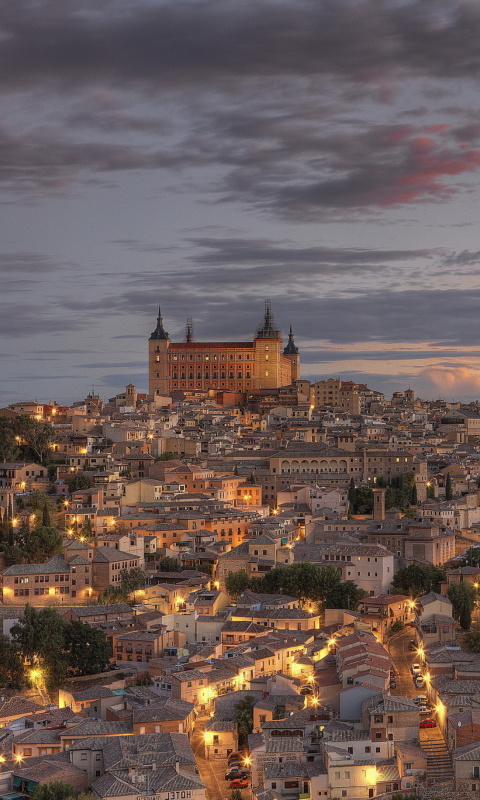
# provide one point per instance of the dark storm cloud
(263, 251)
(48, 157)
(178, 42)
(318, 355)
(27, 319)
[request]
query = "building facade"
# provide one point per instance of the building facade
(223, 366)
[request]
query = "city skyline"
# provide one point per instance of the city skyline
(206, 155)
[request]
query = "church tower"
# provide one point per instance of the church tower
(292, 352)
(158, 345)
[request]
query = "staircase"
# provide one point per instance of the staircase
(439, 761)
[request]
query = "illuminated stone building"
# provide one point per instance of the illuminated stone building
(222, 366)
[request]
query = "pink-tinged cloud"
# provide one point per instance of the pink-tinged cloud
(453, 380)
(436, 128)
(426, 165)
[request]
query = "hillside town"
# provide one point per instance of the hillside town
(266, 593)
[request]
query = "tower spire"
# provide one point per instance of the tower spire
(159, 332)
(291, 349)
(268, 330)
(189, 330)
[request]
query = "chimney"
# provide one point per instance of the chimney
(177, 765)
(379, 504)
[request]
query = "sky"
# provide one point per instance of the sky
(209, 154)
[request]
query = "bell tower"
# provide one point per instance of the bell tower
(158, 345)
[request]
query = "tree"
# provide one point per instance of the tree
(42, 543)
(462, 597)
(112, 594)
(448, 487)
(236, 583)
(236, 794)
(11, 667)
(132, 579)
(415, 579)
(40, 636)
(78, 481)
(430, 491)
(352, 495)
(168, 564)
(473, 557)
(88, 649)
(53, 791)
(472, 639)
(307, 582)
(414, 497)
(345, 595)
(37, 436)
(244, 718)
(8, 444)
(166, 456)
(363, 503)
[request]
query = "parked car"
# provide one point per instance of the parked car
(416, 669)
(419, 681)
(236, 756)
(392, 672)
(428, 723)
(235, 772)
(235, 765)
(412, 645)
(239, 783)
(393, 683)
(420, 700)
(425, 709)
(306, 690)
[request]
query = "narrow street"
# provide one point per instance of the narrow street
(403, 658)
(205, 768)
(439, 760)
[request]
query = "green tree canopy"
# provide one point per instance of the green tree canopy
(35, 437)
(244, 718)
(78, 481)
(113, 594)
(472, 639)
(40, 636)
(11, 667)
(448, 487)
(236, 583)
(307, 582)
(472, 558)
(88, 649)
(9, 450)
(166, 456)
(415, 580)
(42, 543)
(462, 597)
(53, 791)
(345, 595)
(168, 564)
(132, 579)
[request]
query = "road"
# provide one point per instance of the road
(403, 658)
(205, 767)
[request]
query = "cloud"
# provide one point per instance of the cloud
(20, 320)
(178, 42)
(453, 379)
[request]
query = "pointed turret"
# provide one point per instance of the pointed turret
(268, 329)
(291, 349)
(159, 332)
